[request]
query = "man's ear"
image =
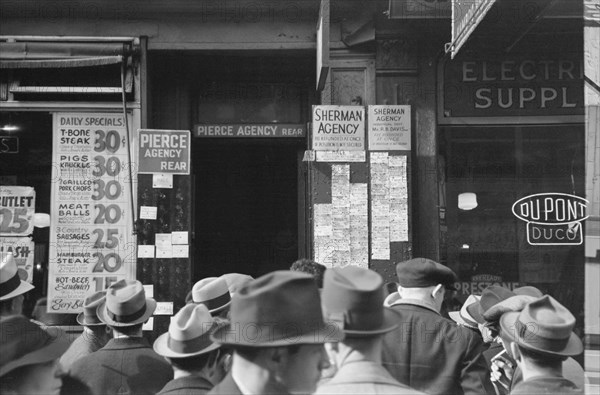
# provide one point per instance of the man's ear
(439, 289)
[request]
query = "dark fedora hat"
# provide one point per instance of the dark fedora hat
(423, 272)
(23, 343)
(281, 308)
(126, 304)
(88, 316)
(490, 296)
(189, 333)
(544, 326)
(354, 296)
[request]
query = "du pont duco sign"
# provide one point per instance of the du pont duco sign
(552, 218)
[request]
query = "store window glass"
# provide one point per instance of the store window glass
(26, 160)
(484, 171)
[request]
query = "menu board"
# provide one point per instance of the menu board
(91, 238)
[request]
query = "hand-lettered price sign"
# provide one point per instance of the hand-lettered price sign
(91, 246)
(17, 206)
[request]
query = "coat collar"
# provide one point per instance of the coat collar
(229, 386)
(357, 372)
(126, 343)
(417, 302)
(187, 382)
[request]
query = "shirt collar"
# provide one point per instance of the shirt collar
(418, 302)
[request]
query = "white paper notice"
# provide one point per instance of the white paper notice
(341, 156)
(145, 251)
(164, 308)
(380, 208)
(181, 251)
(148, 325)
(164, 251)
(179, 238)
(148, 212)
(149, 290)
(162, 180)
(163, 239)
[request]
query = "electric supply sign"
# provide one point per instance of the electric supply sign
(552, 218)
(164, 151)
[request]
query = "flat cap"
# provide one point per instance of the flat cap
(423, 272)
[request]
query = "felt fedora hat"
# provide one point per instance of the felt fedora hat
(462, 316)
(354, 296)
(125, 304)
(189, 333)
(528, 290)
(281, 308)
(514, 303)
(213, 293)
(88, 316)
(23, 343)
(235, 281)
(544, 326)
(490, 296)
(423, 272)
(11, 284)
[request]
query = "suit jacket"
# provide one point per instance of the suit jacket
(84, 345)
(364, 377)
(546, 386)
(432, 354)
(229, 387)
(123, 366)
(190, 385)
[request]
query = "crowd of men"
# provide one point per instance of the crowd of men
(299, 331)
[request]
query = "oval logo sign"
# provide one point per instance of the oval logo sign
(551, 208)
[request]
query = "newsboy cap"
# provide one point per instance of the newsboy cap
(423, 272)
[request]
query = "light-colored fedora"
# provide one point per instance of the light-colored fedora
(213, 293)
(126, 304)
(88, 316)
(235, 281)
(544, 326)
(11, 284)
(462, 317)
(189, 333)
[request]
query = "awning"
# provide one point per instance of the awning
(16, 55)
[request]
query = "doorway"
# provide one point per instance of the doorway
(246, 197)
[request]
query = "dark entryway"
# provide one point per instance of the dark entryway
(246, 205)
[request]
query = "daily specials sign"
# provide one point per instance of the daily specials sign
(552, 218)
(338, 128)
(518, 85)
(91, 245)
(164, 151)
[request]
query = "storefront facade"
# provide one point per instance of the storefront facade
(241, 78)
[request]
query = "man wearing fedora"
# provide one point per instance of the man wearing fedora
(212, 292)
(427, 351)
(354, 296)
(190, 351)
(12, 287)
(95, 333)
(277, 333)
(127, 364)
(540, 338)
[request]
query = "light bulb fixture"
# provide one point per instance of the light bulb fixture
(467, 201)
(41, 220)
(10, 128)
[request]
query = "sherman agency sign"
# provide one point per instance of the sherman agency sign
(552, 218)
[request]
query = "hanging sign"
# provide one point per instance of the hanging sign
(338, 128)
(22, 248)
(91, 242)
(389, 128)
(17, 206)
(236, 130)
(552, 218)
(164, 151)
